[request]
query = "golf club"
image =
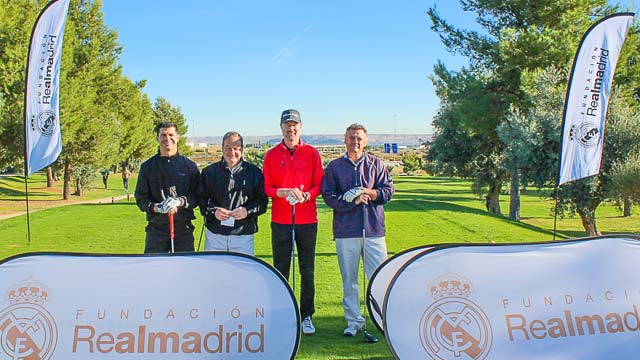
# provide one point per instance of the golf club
(204, 221)
(171, 232)
(369, 338)
(293, 247)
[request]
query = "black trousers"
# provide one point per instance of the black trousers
(281, 245)
(158, 241)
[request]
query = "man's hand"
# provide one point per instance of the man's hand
(170, 205)
(239, 213)
(222, 214)
(293, 196)
(291, 199)
(352, 194)
(362, 199)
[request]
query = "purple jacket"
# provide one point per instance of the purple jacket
(343, 175)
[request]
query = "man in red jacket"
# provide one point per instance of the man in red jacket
(292, 179)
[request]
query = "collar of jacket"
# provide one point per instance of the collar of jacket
(300, 144)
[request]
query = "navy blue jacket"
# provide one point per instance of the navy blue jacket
(343, 175)
(174, 176)
(219, 188)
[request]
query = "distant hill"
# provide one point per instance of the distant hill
(338, 139)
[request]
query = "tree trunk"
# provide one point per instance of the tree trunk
(78, 187)
(628, 206)
(66, 193)
(50, 179)
(514, 199)
(492, 201)
(588, 218)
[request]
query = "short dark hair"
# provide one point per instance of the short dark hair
(356, 126)
(233, 134)
(165, 125)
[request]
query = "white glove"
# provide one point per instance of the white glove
(350, 195)
(168, 205)
(292, 199)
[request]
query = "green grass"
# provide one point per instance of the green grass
(12, 192)
(425, 210)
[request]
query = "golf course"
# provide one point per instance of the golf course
(424, 210)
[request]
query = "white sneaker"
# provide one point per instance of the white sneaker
(307, 326)
(351, 330)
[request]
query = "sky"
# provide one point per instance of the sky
(236, 64)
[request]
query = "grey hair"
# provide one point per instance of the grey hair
(356, 126)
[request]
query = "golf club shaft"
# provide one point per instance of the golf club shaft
(204, 221)
(367, 337)
(293, 246)
(171, 232)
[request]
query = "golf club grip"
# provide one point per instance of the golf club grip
(171, 225)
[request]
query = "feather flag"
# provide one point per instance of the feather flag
(588, 96)
(43, 140)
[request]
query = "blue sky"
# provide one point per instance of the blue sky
(236, 64)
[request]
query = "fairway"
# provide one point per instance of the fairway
(424, 210)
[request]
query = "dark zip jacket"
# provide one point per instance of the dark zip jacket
(174, 176)
(219, 187)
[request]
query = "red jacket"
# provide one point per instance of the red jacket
(302, 170)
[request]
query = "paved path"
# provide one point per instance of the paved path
(94, 201)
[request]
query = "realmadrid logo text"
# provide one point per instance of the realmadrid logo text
(27, 329)
(44, 123)
(453, 327)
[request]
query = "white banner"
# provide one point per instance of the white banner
(569, 300)
(42, 99)
(213, 306)
(588, 96)
(381, 278)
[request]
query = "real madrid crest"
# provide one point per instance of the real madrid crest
(27, 329)
(44, 123)
(586, 134)
(453, 327)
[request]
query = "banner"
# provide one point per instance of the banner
(43, 140)
(588, 96)
(562, 300)
(196, 306)
(381, 278)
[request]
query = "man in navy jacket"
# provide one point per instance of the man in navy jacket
(231, 197)
(356, 186)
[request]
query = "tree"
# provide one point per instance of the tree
(471, 109)
(625, 178)
(411, 162)
(532, 139)
(518, 36)
(16, 22)
(89, 127)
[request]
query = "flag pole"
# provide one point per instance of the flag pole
(43, 144)
(26, 197)
(555, 214)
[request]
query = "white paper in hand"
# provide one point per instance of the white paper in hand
(229, 222)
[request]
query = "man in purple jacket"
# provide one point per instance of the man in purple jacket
(356, 186)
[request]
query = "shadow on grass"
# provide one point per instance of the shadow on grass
(412, 204)
(419, 195)
(425, 205)
(429, 180)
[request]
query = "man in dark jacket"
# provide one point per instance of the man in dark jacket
(231, 197)
(166, 186)
(356, 186)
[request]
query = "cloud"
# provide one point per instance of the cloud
(286, 49)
